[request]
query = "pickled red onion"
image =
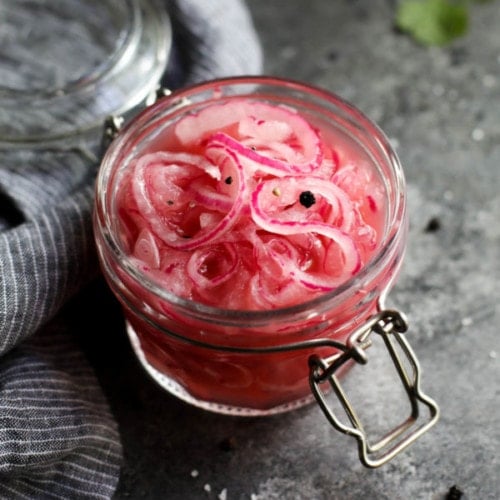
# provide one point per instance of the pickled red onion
(252, 195)
(157, 216)
(198, 269)
(301, 136)
(278, 224)
(146, 250)
(294, 269)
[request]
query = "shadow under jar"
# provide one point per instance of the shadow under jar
(272, 326)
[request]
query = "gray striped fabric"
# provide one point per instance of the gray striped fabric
(58, 437)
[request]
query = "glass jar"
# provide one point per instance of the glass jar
(66, 65)
(263, 362)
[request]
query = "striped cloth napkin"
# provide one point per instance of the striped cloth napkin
(58, 437)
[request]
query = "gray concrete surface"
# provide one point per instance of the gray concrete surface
(441, 109)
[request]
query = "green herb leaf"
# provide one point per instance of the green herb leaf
(432, 22)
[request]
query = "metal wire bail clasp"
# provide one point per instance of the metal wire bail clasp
(389, 325)
(114, 123)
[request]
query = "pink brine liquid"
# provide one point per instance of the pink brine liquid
(246, 206)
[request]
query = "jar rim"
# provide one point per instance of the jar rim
(130, 48)
(387, 247)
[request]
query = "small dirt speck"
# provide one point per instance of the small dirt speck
(228, 444)
(433, 225)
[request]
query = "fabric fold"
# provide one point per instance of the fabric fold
(57, 436)
(42, 264)
(215, 38)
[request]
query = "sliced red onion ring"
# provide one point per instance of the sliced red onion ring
(272, 164)
(209, 198)
(222, 257)
(144, 192)
(282, 196)
(146, 249)
(250, 121)
(290, 259)
(265, 130)
(256, 161)
(277, 224)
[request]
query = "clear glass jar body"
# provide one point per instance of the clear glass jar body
(244, 362)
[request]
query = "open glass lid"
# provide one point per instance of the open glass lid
(65, 65)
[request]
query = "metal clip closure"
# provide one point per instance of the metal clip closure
(114, 123)
(389, 325)
(112, 126)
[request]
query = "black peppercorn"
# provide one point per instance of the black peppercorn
(307, 199)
